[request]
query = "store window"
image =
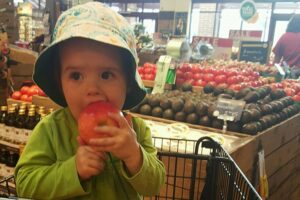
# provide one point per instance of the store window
(229, 19)
(118, 7)
(135, 7)
(203, 19)
(287, 7)
(151, 7)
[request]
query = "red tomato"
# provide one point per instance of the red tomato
(199, 83)
(148, 70)
(232, 80)
(33, 91)
(296, 98)
(16, 95)
(213, 83)
(289, 92)
(150, 77)
(197, 76)
(140, 70)
(188, 75)
(179, 81)
(208, 77)
(147, 64)
(179, 74)
(195, 69)
(235, 87)
(220, 79)
(24, 89)
(24, 97)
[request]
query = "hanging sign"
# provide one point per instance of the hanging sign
(247, 10)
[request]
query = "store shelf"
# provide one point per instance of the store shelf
(150, 84)
(13, 147)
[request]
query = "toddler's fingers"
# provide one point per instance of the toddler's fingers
(80, 141)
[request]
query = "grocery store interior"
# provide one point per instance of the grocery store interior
(222, 79)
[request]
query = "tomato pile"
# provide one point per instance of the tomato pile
(26, 93)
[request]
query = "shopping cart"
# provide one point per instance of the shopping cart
(6, 188)
(201, 170)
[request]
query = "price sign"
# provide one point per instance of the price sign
(229, 109)
(163, 67)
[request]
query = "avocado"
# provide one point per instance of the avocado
(157, 111)
(251, 97)
(177, 104)
(165, 103)
(255, 114)
(234, 126)
(189, 107)
(180, 116)
(266, 109)
(205, 121)
(242, 93)
(218, 90)
(208, 89)
(192, 118)
(168, 114)
(201, 109)
(246, 116)
(186, 87)
(250, 128)
(145, 109)
(154, 101)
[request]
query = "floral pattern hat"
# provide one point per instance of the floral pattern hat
(94, 21)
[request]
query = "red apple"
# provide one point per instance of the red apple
(16, 95)
(24, 89)
(95, 114)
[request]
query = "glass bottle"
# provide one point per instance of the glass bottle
(20, 127)
(29, 125)
(3, 115)
(10, 123)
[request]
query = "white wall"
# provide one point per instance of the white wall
(175, 5)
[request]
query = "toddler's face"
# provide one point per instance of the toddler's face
(91, 72)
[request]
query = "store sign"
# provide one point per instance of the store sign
(163, 66)
(247, 10)
(254, 51)
(239, 35)
(222, 46)
(229, 109)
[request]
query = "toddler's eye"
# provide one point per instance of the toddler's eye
(106, 75)
(75, 76)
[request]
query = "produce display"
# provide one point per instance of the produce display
(26, 93)
(264, 107)
(232, 77)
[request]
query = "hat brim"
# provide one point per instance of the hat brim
(45, 77)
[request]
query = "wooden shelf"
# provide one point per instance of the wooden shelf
(150, 84)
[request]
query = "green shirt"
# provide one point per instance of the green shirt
(47, 169)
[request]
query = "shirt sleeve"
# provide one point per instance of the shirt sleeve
(151, 176)
(39, 175)
(279, 47)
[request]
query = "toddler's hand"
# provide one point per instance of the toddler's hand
(121, 142)
(89, 162)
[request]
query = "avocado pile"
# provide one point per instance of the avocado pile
(264, 107)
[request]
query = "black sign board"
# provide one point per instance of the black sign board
(254, 51)
(229, 109)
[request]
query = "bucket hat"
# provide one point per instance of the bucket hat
(97, 22)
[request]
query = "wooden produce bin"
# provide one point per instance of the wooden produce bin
(281, 145)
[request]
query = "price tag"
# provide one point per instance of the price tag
(229, 109)
(163, 66)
